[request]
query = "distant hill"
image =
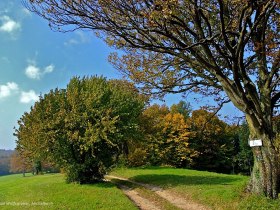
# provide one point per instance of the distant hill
(5, 156)
(4, 152)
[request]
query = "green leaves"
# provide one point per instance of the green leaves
(83, 127)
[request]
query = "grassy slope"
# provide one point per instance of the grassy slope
(52, 191)
(218, 191)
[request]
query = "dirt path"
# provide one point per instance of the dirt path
(176, 200)
(141, 202)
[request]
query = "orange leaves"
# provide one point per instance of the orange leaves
(168, 136)
(175, 123)
(203, 122)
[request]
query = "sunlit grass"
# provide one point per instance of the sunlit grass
(217, 191)
(51, 192)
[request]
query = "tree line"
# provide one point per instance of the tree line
(12, 162)
(181, 137)
(5, 161)
(95, 124)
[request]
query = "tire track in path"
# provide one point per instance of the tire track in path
(140, 202)
(176, 200)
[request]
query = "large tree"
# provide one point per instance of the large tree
(229, 49)
(81, 128)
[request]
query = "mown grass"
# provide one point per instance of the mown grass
(50, 191)
(217, 191)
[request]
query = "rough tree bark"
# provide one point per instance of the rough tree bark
(265, 175)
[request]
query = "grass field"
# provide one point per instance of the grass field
(50, 191)
(218, 191)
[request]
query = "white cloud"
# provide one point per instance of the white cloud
(12, 88)
(9, 25)
(34, 72)
(8, 89)
(27, 97)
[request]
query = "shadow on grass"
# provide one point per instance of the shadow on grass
(147, 168)
(176, 180)
(121, 183)
(101, 184)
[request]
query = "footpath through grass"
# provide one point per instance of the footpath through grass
(50, 191)
(218, 191)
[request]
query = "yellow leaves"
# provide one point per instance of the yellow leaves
(117, 42)
(204, 122)
(176, 133)
(174, 121)
(110, 41)
(163, 9)
(168, 134)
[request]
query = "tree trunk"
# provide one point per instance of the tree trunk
(265, 175)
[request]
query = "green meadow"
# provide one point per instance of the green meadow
(50, 191)
(217, 191)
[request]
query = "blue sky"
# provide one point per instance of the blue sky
(34, 59)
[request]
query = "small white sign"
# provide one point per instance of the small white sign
(255, 143)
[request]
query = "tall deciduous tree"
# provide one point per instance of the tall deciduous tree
(166, 136)
(211, 139)
(174, 145)
(183, 108)
(81, 128)
(151, 125)
(19, 164)
(229, 49)
(244, 158)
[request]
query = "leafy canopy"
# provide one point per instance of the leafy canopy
(173, 46)
(82, 128)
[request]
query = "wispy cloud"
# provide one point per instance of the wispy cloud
(71, 42)
(9, 25)
(7, 89)
(26, 12)
(79, 38)
(48, 69)
(27, 97)
(34, 72)
(5, 59)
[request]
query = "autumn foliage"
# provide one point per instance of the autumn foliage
(225, 49)
(198, 140)
(82, 128)
(95, 124)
